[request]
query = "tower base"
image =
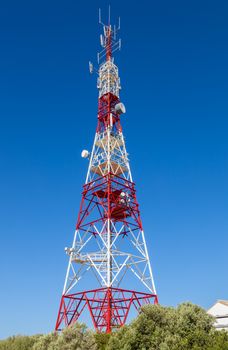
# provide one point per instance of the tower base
(108, 307)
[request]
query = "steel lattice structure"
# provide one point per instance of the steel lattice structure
(109, 241)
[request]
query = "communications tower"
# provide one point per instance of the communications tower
(109, 272)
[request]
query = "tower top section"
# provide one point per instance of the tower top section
(108, 80)
(108, 40)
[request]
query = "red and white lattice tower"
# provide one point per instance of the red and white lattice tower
(109, 241)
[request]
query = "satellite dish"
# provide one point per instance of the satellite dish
(120, 108)
(85, 154)
(90, 67)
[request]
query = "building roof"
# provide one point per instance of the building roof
(224, 302)
(220, 308)
(220, 312)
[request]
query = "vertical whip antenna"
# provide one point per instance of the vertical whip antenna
(109, 14)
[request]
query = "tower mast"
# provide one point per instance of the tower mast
(109, 242)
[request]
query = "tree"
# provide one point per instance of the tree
(18, 343)
(75, 337)
(165, 328)
(102, 340)
(187, 327)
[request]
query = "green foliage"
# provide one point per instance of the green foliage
(76, 337)
(164, 328)
(102, 340)
(187, 327)
(219, 340)
(18, 343)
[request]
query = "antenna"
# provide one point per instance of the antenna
(85, 153)
(108, 40)
(102, 41)
(90, 67)
(100, 21)
(109, 15)
(114, 32)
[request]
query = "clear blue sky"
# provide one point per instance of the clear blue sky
(174, 73)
